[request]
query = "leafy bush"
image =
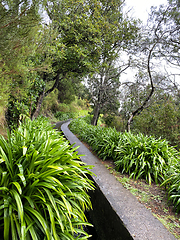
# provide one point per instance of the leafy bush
(102, 140)
(78, 104)
(137, 155)
(23, 103)
(63, 116)
(172, 183)
(87, 119)
(63, 107)
(50, 103)
(161, 120)
(43, 185)
(119, 123)
(108, 119)
(144, 156)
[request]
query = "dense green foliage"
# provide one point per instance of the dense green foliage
(146, 157)
(20, 37)
(161, 119)
(172, 184)
(73, 110)
(138, 155)
(63, 116)
(43, 189)
(102, 140)
(18, 27)
(43, 57)
(85, 39)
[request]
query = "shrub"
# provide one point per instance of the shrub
(63, 107)
(105, 142)
(161, 120)
(43, 185)
(172, 183)
(135, 154)
(88, 119)
(78, 104)
(63, 116)
(119, 123)
(108, 119)
(145, 157)
(102, 140)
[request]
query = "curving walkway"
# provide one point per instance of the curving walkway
(122, 217)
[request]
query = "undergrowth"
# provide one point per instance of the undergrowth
(43, 185)
(138, 155)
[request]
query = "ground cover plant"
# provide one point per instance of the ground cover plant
(63, 116)
(138, 155)
(43, 185)
(102, 140)
(172, 184)
(145, 156)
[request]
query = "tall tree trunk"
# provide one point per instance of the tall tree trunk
(97, 109)
(38, 105)
(43, 94)
(96, 115)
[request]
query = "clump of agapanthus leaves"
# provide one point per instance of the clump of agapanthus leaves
(138, 155)
(43, 185)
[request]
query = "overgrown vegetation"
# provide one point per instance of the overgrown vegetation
(172, 183)
(145, 157)
(43, 189)
(76, 108)
(161, 119)
(43, 63)
(138, 155)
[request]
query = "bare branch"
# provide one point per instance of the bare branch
(139, 109)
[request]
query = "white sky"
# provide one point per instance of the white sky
(140, 8)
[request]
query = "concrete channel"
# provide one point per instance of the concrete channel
(116, 214)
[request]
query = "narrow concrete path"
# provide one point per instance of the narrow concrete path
(139, 221)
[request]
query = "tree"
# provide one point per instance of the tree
(104, 94)
(148, 96)
(118, 33)
(73, 50)
(19, 36)
(161, 43)
(133, 94)
(68, 88)
(168, 19)
(19, 22)
(64, 49)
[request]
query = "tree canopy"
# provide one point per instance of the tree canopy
(118, 33)
(80, 41)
